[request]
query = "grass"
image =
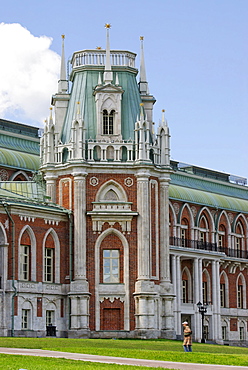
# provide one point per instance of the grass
(164, 350)
(12, 362)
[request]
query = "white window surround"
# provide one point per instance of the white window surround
(118, 291)
(32, 237)
(57, 254)
(108, 98)
(243, 292)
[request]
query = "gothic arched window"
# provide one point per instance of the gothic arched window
(108, 122)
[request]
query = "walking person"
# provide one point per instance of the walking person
(187, 340)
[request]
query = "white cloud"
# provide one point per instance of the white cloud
(29, 72)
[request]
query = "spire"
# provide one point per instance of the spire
(143, 85)
(50, 122)
(108, 74)
(63, 83)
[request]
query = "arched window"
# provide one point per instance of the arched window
(185, 232)
(108, 122)
(241, 292)
(223, 290)
(222, 237)
(239, 240)
(203, 232)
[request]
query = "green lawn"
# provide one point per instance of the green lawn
(165, 350)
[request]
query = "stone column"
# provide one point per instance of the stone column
(178, 295)
(143, 226)
(51, 187)
(166, 287)
(164, 230)
(80, 226)
(217, 336)
(79, 290)
(145, 293)
(196, 299)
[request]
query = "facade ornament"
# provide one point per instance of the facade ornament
(128, 181)
(94, 181)
(176, 208)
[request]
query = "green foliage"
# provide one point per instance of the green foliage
(164, 350)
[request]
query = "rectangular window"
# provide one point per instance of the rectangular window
(222, 295)
(24, 262)
(205, 292)
(221, 240)
(183, 237)
(239, 247)
(240, 296)
(50, 318)
(241, 333)
(223, 330)
(185, 291)
(111, 266)
(202, 236)
(48, 265)
(25, 319)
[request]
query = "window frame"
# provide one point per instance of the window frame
(26, 315)
(111, 258)
(49, 276)
(25, 262)
(108, 122)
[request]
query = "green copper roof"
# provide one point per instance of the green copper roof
(83, 86)
(20, 144)
(210, 193)
(20, 160)
(20, 189)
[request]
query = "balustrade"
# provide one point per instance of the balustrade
(207, 246)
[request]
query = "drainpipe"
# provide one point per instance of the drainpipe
(5, 205)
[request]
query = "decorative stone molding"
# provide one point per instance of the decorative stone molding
(3, 175)
(6, 224)
(51, 222)
(230, 216)
(26, 218)
(111, 297)
(94, 181)
(128, 181)
(194, 210)
(233, 266)
(176, 208)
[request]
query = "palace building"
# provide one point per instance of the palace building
(102, 235)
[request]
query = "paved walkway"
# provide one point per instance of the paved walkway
(118, 360)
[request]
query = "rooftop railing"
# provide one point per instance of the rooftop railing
(98, 58)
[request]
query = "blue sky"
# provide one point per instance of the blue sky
(196, 55)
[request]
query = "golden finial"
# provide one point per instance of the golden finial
(63, 36)
(107, 25)
(99, 48)
(163, 110)
(51, 108)
(141, 104)
(141, 37)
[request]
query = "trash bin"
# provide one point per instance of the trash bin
(51, 330)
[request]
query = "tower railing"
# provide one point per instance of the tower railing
(98, 58)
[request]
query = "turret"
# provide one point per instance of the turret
(164, 142)
(61, 98)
